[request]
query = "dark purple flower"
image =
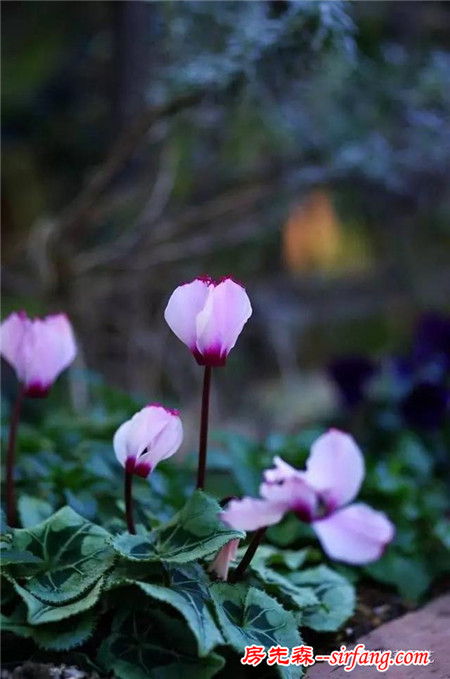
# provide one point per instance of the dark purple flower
(402, 368)
(352, 375)
(426, 406)
(432, 339)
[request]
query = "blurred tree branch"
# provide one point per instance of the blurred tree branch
(260, 108)
(78, 211)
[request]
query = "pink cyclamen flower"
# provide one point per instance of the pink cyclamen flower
(208, 316)
(221, 564)
(247, 514)
(38, 349)
(353, 533)
(153, 434)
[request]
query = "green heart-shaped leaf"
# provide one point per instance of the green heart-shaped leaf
(335, 594)
(195, 532)
(60, 636)
(149, 644)
(40, 612)
(188, 594)
(72, 552)
(249, 616)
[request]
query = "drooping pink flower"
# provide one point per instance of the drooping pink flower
(151, 435)
(247, 514)
(353, 533)
(38, 349)
(221, 564)
(208, 316)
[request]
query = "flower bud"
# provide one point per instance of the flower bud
(246, 514)
(152, 435)
(221, 564)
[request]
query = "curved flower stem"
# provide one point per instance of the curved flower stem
(10, 490)
(249, 554)
(129, 502)
(202, 450)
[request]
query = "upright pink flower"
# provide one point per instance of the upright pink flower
(38, 349)
(208, 316)
(151, 435)
(353, 533)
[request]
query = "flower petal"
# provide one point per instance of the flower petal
(221, 563)
(183, 307)
(356, 534)
(146, 426)
(281, 472)
(335, 468)
(294, 495)
(221, 321)
(251, 514)
(48, 349)
(120, 442)
(12, 333)
(166, 443)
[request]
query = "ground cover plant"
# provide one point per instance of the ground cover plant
(150, 576)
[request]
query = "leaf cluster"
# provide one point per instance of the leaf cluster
(145, 606)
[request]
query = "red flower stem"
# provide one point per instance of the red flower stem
(10, 490)
(129, 502)
(203, 444)
(249, 554)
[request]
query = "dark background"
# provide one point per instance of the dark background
(302, 147)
